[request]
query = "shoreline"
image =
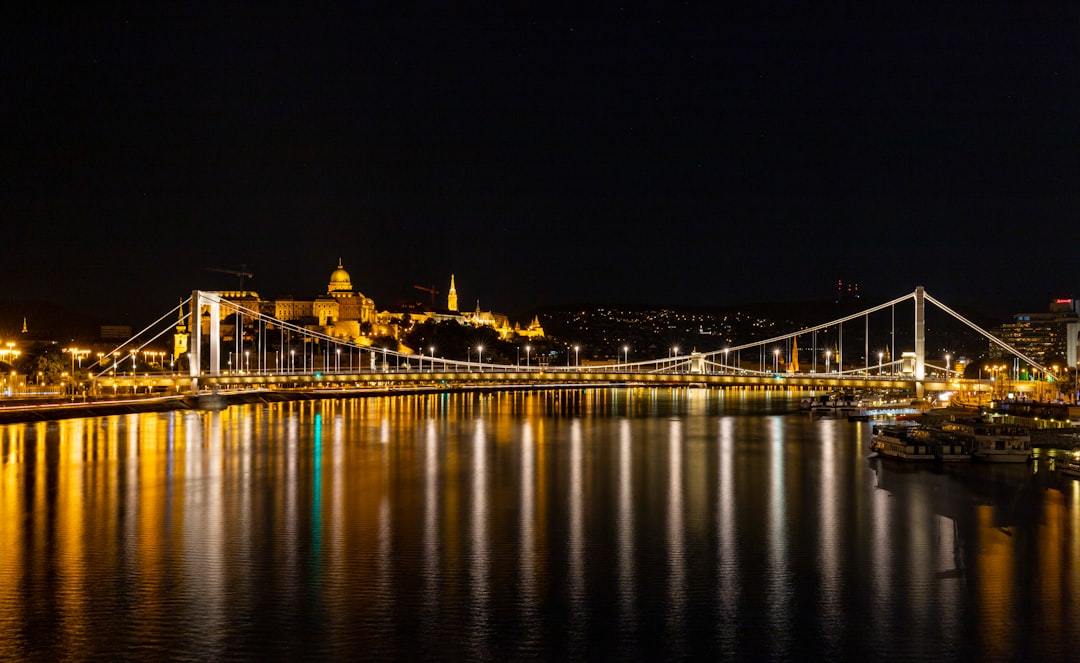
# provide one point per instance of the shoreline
(65, 409)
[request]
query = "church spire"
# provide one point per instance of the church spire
(451, 297)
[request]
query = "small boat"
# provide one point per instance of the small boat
(843, 405)
(1069, 465)
(891, 441)
(861, 415)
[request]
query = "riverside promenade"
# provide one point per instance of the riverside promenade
(55, 409)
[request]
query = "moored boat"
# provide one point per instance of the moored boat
(946, 447)
(892, 441)
(994, 442)
(1069, 465)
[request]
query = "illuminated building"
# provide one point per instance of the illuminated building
(181, 336)
(451, 297)
(345, 313)
(1044, 336)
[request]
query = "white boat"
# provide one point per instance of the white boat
(946, 446)
(841, 405)
(993, 441)
(897, 442)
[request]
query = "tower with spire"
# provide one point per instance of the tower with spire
(180, 338)
(451, 296)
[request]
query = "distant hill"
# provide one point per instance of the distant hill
(46, 320)
(651, 330)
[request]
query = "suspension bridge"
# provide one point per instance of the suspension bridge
(265, 352)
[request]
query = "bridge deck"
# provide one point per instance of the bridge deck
(798, 381)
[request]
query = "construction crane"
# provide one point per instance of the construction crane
(243, 273)
(431, 290)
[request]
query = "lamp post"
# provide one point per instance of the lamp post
(674, 367)
(480, 357)
(626, 356)
(431, 349)
(828, 355)
(73, 352)
(879, 357)
(776, 360)
(947, 360)
(577, 358)
(527, 349)
(292, 360)
(726, 359)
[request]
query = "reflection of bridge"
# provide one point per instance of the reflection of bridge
(283, 354)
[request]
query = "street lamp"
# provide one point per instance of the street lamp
(828, 355)
(337, 366)
(674, 365)
(527, 348)
(725, 359)
(292, 360)
(879, 357)
(74, 352)
(480, 357)
(577, 360)
(947, 359)
(431, 349)
(776, 360)
(626, 355)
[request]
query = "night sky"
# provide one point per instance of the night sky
(687, 156)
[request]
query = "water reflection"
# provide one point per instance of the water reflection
(628, 622)
(637, 524)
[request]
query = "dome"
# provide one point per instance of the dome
(340, 279)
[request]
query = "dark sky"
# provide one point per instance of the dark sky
(686, 157)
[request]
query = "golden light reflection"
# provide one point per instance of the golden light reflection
(427, 500)
(994, 564)
(676, 541)
(729, 579)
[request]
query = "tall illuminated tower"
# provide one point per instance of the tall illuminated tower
(451, 297)
(180, 338)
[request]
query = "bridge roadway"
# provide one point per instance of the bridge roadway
(811, 382)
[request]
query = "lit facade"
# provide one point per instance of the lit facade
(343, 312)
(1045, 336)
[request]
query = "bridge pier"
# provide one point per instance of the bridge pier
(212, 301)
(920, 339)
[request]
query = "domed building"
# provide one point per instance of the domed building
(340, 281)
(341, 311)
(341, 304)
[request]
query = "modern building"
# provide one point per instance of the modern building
(1045, 337)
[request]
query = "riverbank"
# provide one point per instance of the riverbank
(55, 410)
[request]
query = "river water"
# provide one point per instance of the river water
(594, 524)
